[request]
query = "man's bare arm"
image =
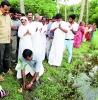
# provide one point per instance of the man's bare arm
(23, 77)
(51, 31)
(34, 77)
(74, 32)
(32, 81)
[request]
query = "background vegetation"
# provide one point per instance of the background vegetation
(49, 8)
(54, 84)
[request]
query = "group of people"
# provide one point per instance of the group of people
(32, 41)
(84, 33)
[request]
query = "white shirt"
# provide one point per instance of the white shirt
(58, 33)
(44, 29)
(36, 62)
(70, 34)
(35, 27)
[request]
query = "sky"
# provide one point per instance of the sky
(74, 2)
(71, 2)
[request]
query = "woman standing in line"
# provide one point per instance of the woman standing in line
(25, 36)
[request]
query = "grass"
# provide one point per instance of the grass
(54, 84)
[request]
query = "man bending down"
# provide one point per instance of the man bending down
(29, 63)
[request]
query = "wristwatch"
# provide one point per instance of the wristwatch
(31, 83)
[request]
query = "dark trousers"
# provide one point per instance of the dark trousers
(17, 48)
(5, 57)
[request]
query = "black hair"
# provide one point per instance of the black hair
(22, 14)
(26, 53)
(5, 3)
(53, 17)
(13, 10)
(58, 16)
(80, 23)
(29, 12)
(45, 17)
(73, 16)
(18, 11)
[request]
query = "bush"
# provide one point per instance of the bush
(95, 40)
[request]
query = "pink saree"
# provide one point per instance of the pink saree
(78, 37)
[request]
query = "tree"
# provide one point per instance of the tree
(93, 15)
(43, 7)
(87, 15)
(22, 8)
(58, 6)
(65, 9)
(82, 10)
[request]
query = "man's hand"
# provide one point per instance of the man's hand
(40, 30)
(71, 29)
(74, 32)
(64, 30)
(14, 28)
(59, 26)
(28, 86)
(11, 37)
(36, 29)
(51, 31)
(32, 81)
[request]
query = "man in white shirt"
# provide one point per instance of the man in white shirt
(29, 16)
(37, 36)
(60, 28)
(69, 38)
(43, 34)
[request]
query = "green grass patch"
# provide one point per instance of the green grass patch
(54, 84)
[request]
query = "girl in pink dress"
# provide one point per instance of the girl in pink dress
(79, 36)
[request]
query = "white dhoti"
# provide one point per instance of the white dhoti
(37, 43)
(28, 69)
(56, 52)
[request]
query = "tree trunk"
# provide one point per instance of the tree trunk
(58, 6)
(65, 10)
(22, 8)
(87, 15)
(82, 10)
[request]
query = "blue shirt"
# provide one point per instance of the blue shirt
(15, 23)
(48, 30)
(35, 63)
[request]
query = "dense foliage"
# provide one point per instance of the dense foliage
(43, 7)
(49, 8)
(93, 9)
